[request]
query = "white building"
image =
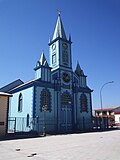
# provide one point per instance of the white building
(112, 113)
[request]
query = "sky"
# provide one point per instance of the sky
(94, 25)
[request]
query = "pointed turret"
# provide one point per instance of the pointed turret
(78, 70)
(42, 61)
(45, 64)
(59, 30)
(42, 58)
(42, 69)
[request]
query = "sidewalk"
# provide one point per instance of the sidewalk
(86, 146)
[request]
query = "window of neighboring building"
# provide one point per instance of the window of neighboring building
(97, 113)
(83, 102)
(110, 112)
(104, 112)
(45, 100)
(66, 99)
(20, 103)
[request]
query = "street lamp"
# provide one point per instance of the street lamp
(44, 109)
(101, 98)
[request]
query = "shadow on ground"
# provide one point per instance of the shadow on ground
(25, 135)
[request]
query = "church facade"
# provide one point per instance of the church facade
(58, 98)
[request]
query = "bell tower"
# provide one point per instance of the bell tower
(60, 48)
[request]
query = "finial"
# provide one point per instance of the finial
(59, 12)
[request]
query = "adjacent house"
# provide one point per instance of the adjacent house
(112, 113)
(4, 107)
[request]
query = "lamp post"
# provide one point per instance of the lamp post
(44, 109)
(101, 102)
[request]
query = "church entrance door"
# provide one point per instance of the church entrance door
(66, 118)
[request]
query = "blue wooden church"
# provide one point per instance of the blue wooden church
(58, 99)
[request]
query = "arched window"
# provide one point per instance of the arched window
(20, 103)
(45, 100)
(66, 99)
(83, 102)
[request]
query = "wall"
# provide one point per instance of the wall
(50, 117)
(84, 118)
(21, 117)
(3, 114)
(117, 119)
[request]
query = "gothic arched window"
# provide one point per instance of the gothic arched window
(66, 99)
(45, 100)
(83, 102)
(20, 103)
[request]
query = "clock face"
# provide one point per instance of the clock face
(65, 46)
(66, 77)
(53, 46)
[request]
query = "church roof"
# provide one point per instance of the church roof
(78, 70)
(12, 85)
(59, 30)
(22, 85)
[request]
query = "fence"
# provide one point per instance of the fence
(101, 122)
(23, 124)
(19, 124)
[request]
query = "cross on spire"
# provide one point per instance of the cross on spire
(59, 12)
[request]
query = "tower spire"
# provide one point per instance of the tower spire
(59, 29)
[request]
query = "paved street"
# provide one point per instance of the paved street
(87, 146)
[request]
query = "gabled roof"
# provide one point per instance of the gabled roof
(30, 83)
(22, 85)
(59, 30)
(11, 85)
